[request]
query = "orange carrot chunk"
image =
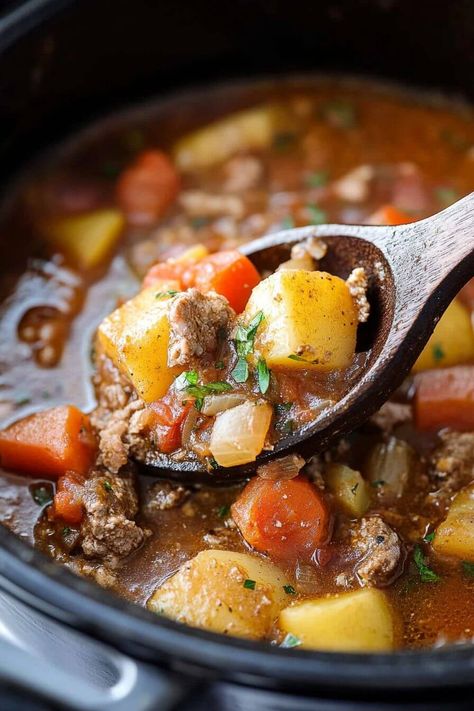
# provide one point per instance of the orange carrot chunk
(285, 519)
(445, 398)
(147, 188)
(230, 274)
(49, 443)
(390, 215)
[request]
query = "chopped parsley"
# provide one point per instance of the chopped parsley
(426, 574)
(263, 375)
(287, 223)
(163, 294)
(289, 589)
(42, 495)
(66, 531)
(219, 365)
(300, 359)
(21, 399)
(282, 408)
(468, 568)
(429, 537)
(249, 584)
(446, 195)
(339, 113)
(287, 427)
(317, 180)
(438, 353)
(223, 511)
(244, 342)
(291, 640)
(377, 483)
(354, 489)
(213, 463)
(316, 215)
(284, 141)
(107, 486)
(188, 381)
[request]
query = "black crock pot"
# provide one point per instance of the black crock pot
(63, 63)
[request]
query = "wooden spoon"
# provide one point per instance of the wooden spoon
(414, 272)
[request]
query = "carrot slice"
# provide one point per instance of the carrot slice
(390, 215)
(230, 274)
(445, 398)
(282, 518)
(49, 443)
(68, 498)
(147, 188)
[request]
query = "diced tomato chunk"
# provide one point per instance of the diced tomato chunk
(147, 188)
(445, 398)
(390, 215)
(169, 415)
(49, 443)
(285, 519)
(230, 274)
(68, 504)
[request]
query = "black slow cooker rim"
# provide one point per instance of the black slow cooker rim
(52, 589)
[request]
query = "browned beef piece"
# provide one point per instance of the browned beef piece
(380, 550)
(454, 460)
(391, 414)
(196, 320)
(109, 531)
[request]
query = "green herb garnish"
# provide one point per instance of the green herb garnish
(446, 195)
(291, 640)
(223, 511)
(316, 215)
(287, 427)
(282, 408)
(107, 486)
(213, 463)
(219, 365)
(438, 353)
(300, 359)
(377, 483)
(339, 113)
(249, 584)
(429, 537)
(244, 342)
(287, 223)
(21, 399)
(163, 294)
(188, 381)
(289, 589)
(42, 495)
(317, 180)
(263, 375)
(354, 489)
(66, 531)
(468, 568)
(426, 574)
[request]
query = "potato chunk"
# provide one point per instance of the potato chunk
(309, 316)
(135, 337)
(87, 238)
(239, 434)
(455, 535)
(360, 621)
(252, 129)
(223, 591)
(452, 341)
(349, 488)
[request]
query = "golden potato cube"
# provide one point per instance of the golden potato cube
(223, 591)
(192, 254)
(360, 621)
(87, 239)
(452, 341)
(135, 337)
(252, 129)
(349, 489)
(455, 535)
(310, 320)
(238, 434)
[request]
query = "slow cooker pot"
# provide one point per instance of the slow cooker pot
(63, 63)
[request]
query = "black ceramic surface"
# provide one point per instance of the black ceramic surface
(63, 63)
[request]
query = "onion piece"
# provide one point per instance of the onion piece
(239, 434)
(282, 469)
(188, 427)
(213, 404)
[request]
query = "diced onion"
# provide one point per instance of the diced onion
(389, 465)
(213, 404)
(238, 435)
(188, 427)
(284, 468)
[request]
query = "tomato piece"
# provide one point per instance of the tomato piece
(49, 443)
(282, 518)
(390, 215)
(68, 498)
(445, 398)
(169, 416)
(148, 187)
(230, 274)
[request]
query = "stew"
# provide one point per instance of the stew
(133, 327)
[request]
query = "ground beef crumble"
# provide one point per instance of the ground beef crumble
(380, 550)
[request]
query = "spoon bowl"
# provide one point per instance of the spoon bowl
(414, 271)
